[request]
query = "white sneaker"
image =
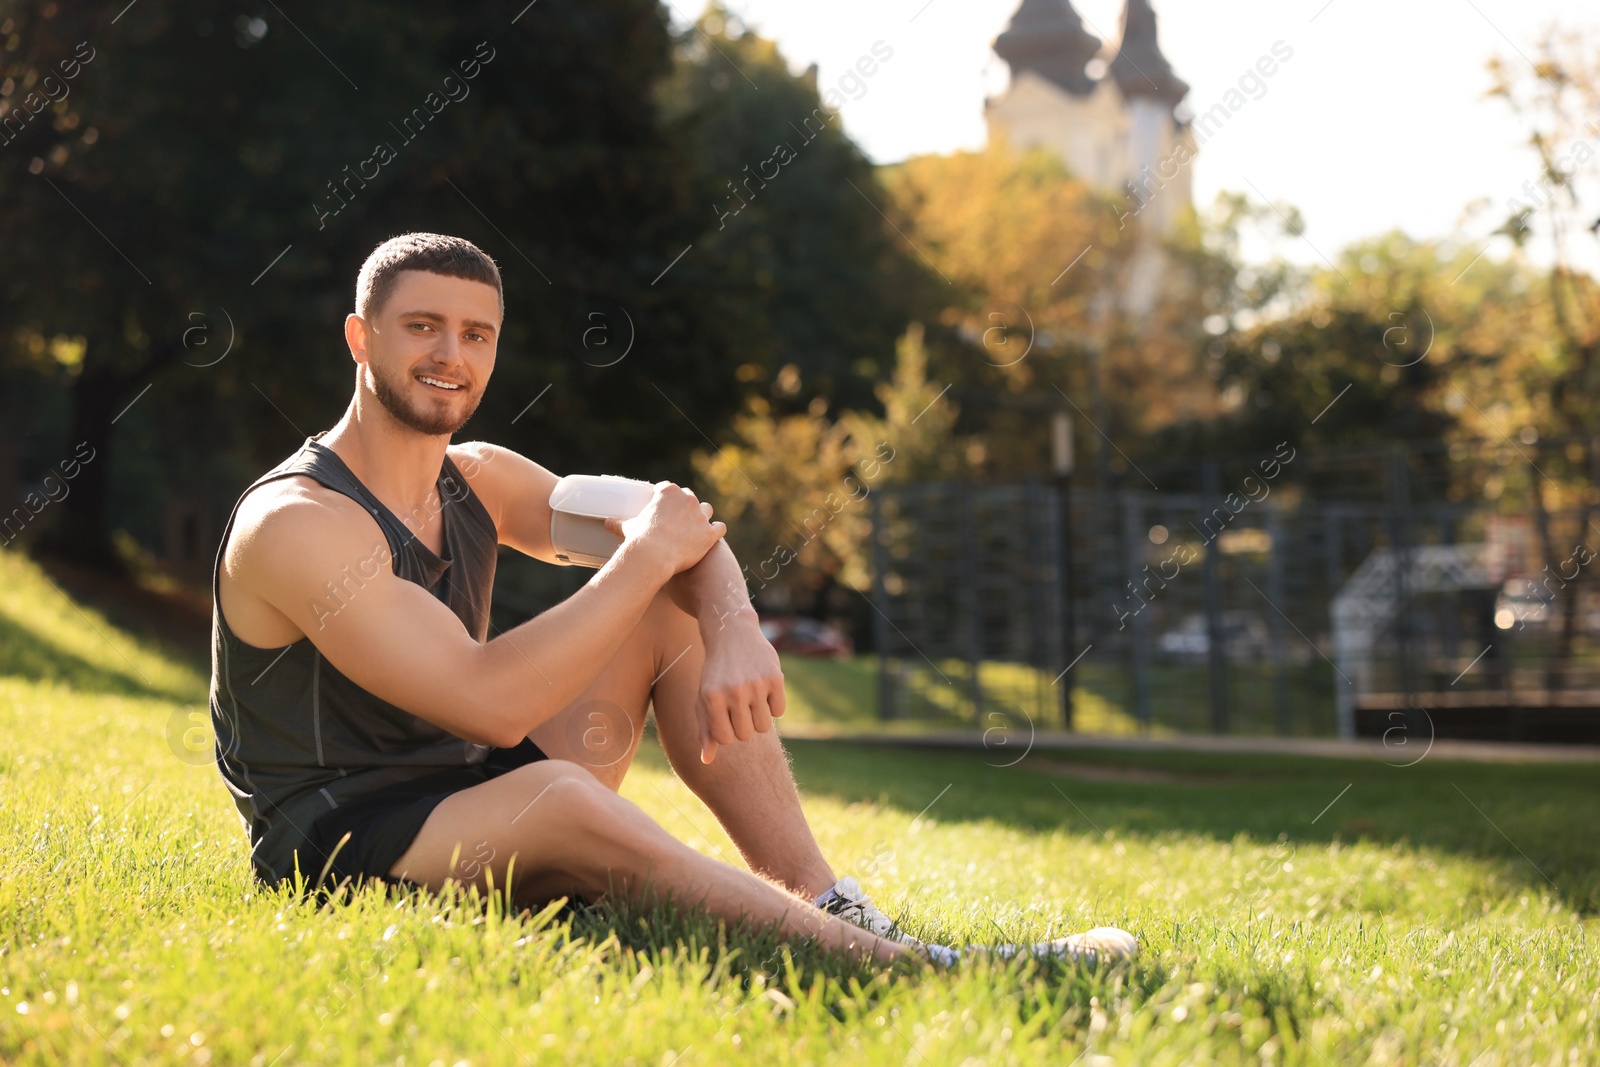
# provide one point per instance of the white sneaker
(1103, 944)
(848, 902)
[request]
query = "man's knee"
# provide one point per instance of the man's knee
(557, 812)
(579, 824)
(561, 786)
(564, 806)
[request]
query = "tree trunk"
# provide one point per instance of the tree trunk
(1569, 607)
(81, 532)
(1569, 610)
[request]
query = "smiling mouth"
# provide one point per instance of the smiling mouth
(440, 384)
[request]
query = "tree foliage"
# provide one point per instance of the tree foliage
(794, 488)
(807, 273)
(1557, 97)
(231, 172)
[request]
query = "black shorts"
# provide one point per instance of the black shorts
(383, 824)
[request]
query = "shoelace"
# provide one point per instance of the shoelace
(1090, 947)
(863, 913)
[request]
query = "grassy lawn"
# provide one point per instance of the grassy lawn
(1292, 911)
(842, 695)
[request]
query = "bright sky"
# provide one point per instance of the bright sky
(1378, 120)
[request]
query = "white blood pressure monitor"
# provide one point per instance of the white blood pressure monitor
(579, 506)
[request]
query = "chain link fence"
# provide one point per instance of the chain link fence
(1441, 591)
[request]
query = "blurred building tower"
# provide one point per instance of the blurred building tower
(1110, 113)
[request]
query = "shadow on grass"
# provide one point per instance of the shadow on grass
(773, 972)
(776, 974)
(26, 654)
(1542, 822)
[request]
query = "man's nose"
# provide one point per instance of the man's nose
(449, 348)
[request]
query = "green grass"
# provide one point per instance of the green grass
(1438, 914)
(843, 696)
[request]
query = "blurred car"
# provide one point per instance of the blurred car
(806, 637)
(1522, 602)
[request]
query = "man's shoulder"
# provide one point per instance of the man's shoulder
(296, 498)
(498, 475)
(296, 516)
(474, 457)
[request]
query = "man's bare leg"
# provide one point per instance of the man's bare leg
(559, 831)
(749, 787)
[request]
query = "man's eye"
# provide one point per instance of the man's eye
(420, 326)
(476, 337)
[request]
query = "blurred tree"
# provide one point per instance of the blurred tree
(918, 419)
(1005, 233)
(1557, 96)
(1041, 273)
(1399, 341)
(1004, 228)
(793, 488)
(807, 273)
(228, 165)
(1364, 354)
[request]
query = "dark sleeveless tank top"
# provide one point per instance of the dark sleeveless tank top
(294, 737)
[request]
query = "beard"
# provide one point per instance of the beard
(423, 418)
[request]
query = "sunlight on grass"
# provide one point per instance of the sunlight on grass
(1398, 928)
(46, 636)
(843, 695)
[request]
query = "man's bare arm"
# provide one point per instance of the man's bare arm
(741, 684)
(399, 642)
(516, 490)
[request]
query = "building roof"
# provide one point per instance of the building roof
(1048, 38)
(1139, 68)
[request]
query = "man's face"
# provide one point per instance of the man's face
(429, 349)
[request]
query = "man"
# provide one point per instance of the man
(367, 726)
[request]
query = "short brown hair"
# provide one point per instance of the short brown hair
(435, 253)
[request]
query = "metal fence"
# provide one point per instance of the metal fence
(1440, 590)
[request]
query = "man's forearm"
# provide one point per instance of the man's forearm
(741, 679)
(714, 592)
(581, 635)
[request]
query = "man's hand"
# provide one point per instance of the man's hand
(741, 681)
(674, 527)
(741, 684)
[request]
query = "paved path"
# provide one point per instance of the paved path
(1368, 749)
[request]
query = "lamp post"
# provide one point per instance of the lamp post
(1061, 460)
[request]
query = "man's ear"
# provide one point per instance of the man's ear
(355, 335)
